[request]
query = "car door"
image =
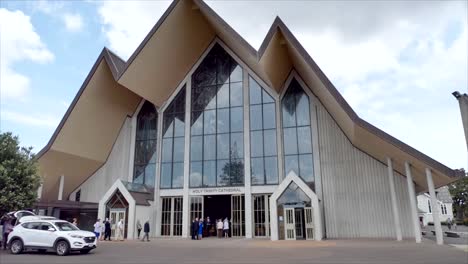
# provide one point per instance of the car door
(47, 237)
(30, 233)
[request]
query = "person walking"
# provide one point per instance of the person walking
(226, 228)
(97, 228)
(103, 230)
(138, 228)
(200, 229)
(107, 230)
(449, 223)
(219, 228)
(7, 228)
(120, 230)
(208, 226)
(146, 230)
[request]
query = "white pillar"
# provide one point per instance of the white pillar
(157, 200)
(274, 219)
(60, 192)
(185, 200)
(396, 213)
(413, 206)
(248, 190)
(435, 207)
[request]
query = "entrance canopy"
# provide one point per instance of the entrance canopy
(303, 196)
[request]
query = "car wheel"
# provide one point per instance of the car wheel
(85, 251)
(16, 246)
(62, 248)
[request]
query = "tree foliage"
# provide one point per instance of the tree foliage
(19, 179)
(459, 192)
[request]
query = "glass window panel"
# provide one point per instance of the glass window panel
(140, 152)
(257, 171)
(237, 145)
(237, 120)
(236, 171)
(166, 175)
(271, 170)
(255, 92)
(223, 173)
(236, 94)
(180, 101)
(290, 141)
(303, 133)
(255, 117)
(168, 125)
(209, 173)
(306, 167)
(289, 111)
(178, 175)
(236, 73)
(267, 98)
(291, 164)
(223, 146)
(150, 172)
(223, 120)
(223, 96)
(205, 75)
(223, 66)
(209, 122)
(179, 125)
(179, 144)
(209, 147)
(269, 113)
(139, 174)
(302, 109)
(269, 141)
(151, 151)
(256, 143)
(196, 149)
(196, 174)
(197, 123)
(206, 98)
(167, 150)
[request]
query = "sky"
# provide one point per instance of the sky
(395, 62)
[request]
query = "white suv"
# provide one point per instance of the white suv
(56, 235)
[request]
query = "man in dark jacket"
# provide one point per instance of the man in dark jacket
(194, 229)
(146, 230)
(107, 229)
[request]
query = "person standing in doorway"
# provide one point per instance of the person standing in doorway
(120, 230)
(103, 230)
(194, 228)
(200, 229)
(146, 230)
(226, 227)
(208, 226)
(138, 228)
(108, 229)
(219, 228)
(97, 228)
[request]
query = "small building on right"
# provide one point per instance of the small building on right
(444, 203)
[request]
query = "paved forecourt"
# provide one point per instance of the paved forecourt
(225, 251)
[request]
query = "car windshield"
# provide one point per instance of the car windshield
(65, 226)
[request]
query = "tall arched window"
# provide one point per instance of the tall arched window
(145, 145)
(217, 145)
(297, 138)
(172, 163)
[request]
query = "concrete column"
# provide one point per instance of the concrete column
(157, 202)
(396, 210)
(435, 207)
(248, 190)
(60, 192)
(413, 205)
(185, 200)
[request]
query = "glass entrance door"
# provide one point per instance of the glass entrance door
(115, 216)
(289, 224)
(299, 222)
(237, 216)
(309, 222)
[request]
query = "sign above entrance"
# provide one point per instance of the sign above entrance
(217, 190)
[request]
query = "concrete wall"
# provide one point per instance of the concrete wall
(356, 192)
(116, 167)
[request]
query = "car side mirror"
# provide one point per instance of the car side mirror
(51, 229)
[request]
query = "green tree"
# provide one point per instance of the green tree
(19, 179)
(459, 192)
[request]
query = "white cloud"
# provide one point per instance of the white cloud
(18, 43)
(30, 119)
(73, 22)
(394, 61)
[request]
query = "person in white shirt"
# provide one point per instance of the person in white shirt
(120, 230)
(226, 227)
(219, 227)
(97, 228)
(103, 230)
